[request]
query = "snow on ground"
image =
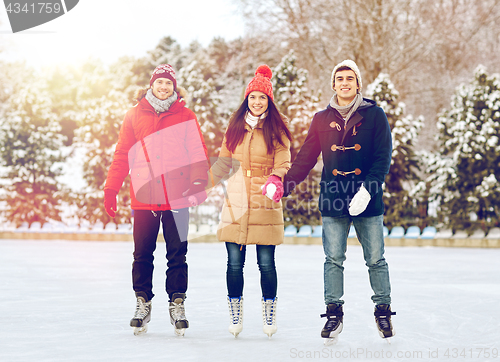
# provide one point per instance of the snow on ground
(72, 301)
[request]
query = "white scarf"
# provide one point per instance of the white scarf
(253, 120)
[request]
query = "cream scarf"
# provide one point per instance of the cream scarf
(253, 120)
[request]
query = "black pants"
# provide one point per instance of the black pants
(175, 229)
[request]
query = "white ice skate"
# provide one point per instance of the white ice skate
(269, 316)
(178, 314)
(235, 315)
(142, 316)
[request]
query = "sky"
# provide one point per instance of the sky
(110, 29)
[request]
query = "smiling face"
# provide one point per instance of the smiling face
(257, 103)
(346, 86)
(163, 88)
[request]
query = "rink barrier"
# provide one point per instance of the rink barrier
(206, 234)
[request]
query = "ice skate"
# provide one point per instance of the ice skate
(142, 316)
(235, 315)
(269, 316)
(178, 314)
(333, 325)
(383, 315)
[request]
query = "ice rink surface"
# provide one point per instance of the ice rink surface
(72, 301)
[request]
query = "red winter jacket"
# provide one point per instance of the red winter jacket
(164, 153)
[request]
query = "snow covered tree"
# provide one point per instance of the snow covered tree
(168, 51)
(294, 99)
(465, 173)
(31, 152)
(298, 104)
(103, 100)
(401, 208)
(203, 100)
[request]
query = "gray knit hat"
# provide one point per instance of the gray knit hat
(351, 65)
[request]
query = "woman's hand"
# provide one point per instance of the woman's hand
(273, 182)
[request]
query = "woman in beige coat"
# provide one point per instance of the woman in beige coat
(256, 151)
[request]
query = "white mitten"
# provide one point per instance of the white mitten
(359, 202)
(270, 190)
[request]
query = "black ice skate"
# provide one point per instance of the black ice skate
(142, 316)
(178, 314)
(334, 323)
(383, 315)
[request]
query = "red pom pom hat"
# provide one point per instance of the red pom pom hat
(261, 82)
(163, 71)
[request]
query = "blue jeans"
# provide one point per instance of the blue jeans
(371, 236)
(267, 267)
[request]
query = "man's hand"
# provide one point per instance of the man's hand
(196, 186)
(110, 202)
(359, 202)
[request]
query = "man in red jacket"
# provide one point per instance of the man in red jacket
(161, 146)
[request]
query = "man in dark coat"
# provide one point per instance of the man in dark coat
(354, 138)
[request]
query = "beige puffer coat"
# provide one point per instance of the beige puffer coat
(248, 217)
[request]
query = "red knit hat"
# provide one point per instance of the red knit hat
(261, 82)
(163, 71)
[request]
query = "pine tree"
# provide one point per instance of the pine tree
(294, 99)
(298, 104)
(204, 101)
(465, 173)
(31, 154)
(403, 177)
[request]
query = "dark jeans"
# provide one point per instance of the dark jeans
(267, 267)
(175, 228)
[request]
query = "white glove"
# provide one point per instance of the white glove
(270, 190)
(359, 202)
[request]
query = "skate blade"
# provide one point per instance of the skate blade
(331, 341)
(270, 334)
(140, 330)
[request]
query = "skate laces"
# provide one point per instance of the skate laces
(269, 315)
(383, 316)
(332, 322)
(235, 310)
(142, 308)
(383, 322)
(177, 311)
